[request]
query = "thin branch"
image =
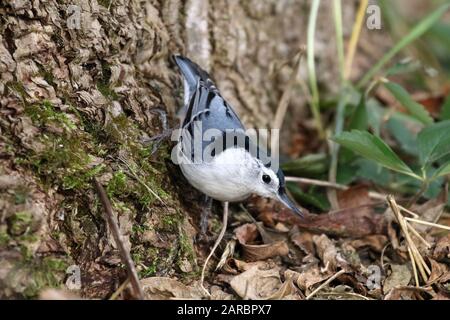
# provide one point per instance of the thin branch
(284, 101)
(216, 244)
(355, 37)
(312, 67)
(413, 263)
(423, 267)
(417, 234)
(124, 253)
(436, 225)
(327, 184)
(141, 181)
(323, 285)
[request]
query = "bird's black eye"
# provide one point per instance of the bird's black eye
(266, 178)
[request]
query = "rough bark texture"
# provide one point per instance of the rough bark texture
(77, 102)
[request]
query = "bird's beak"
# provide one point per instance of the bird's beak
(284, 199)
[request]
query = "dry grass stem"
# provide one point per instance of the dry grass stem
(323, 285)
(216, 244)
(115, 230)
(327, 184)
(415, 254)
(431, 224)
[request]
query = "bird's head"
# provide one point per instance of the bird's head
(270, 184)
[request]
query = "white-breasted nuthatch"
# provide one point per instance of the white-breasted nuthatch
(214, 151)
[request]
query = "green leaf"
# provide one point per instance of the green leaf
(311, 165)
(312, 199)
(417, 31)
(359, 119)
(434, 142)
(445, 112)
(414, 108)
(407, 139)
(373, 148)
(442, 171)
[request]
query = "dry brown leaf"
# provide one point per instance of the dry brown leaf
(375, 242)
(442, 249)
(307, 278)
(440, 272)
(303, 240)
(328, 252)
(252, 252)
(218, 294)
(255, 252)
(354, 197)
(162, 288)
(351, 222)
(399, 277)
(406, 293)
(430, 211)
(246, 233)
(286, 290)
(256, 284)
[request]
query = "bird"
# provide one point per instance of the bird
(224, 170)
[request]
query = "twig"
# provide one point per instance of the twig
(125, 254)
(355, 37)
(417, 257)
(337, 14)
(343, 294)
(436, 225)
(413, 263)
(120, 289)
(334, 147)
(322, 183)
(216, 244)
(323, 285)
(142, 182)
(284, 101)
(312, 68)
(415, 215)
(417, 234)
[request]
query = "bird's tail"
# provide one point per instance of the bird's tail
(192, 73)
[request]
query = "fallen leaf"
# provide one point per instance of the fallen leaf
(399, 277)
(442, 249)
(303, 240)
(351, 222)
(328, 253)
(375, 242)
(430, 211)
(406, 293)
(255, 252)
(287, 289)
(440, 272)
(353, 197)
(246, 233)
(264, 251)
(256, 284)
(162, 288)
(307, 278)
(218, 294)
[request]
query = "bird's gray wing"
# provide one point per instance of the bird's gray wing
(209, 115)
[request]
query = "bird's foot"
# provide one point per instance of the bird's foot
(159, 138)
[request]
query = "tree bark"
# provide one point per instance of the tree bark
(83, 84)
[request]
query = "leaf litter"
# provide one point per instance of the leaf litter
(359, 252)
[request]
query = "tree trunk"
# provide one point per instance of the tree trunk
(82, 85)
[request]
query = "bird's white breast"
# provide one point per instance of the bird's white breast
(223, 178)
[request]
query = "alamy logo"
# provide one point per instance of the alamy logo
(73, 281)
(373, 21)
